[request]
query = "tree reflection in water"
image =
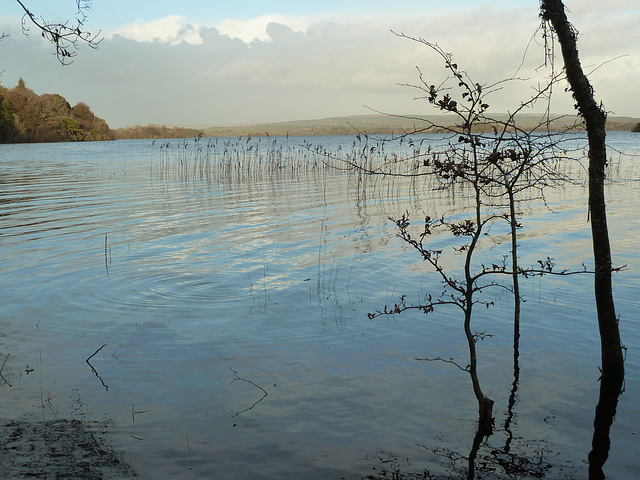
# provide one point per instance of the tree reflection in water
(518, 458)
(611, 386)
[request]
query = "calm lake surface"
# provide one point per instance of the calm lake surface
(205, 283)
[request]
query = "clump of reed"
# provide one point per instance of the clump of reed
(245, 157)
(239, 159)
(381, 169)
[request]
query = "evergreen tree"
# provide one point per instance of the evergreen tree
(7, 114)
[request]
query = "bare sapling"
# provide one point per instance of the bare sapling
(496, 164)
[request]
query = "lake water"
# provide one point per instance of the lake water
(227, 295)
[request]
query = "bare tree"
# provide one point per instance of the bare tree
(497, 170)
(497, 164)
(64, 36)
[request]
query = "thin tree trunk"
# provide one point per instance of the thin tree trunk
(595, 119)
(516, 316)
(485, 404)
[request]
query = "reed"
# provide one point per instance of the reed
(242, 159)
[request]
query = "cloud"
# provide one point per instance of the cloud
(171, 29)
(257, 28)
(174, 29)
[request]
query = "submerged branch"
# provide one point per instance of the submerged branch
(236, 413)
(2, 368)
(94, 370)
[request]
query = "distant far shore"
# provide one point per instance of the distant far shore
(378, 124)
(29, 117)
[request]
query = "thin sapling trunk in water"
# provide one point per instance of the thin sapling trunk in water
(612, 379)
(485, 404)
(595, 120)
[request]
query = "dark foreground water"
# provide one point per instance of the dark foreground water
(228, 309)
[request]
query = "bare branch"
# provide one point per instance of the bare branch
(445, 360)
(65, 37)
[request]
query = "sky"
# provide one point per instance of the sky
(209, 62)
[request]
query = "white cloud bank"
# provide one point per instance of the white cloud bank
(171, 29)
(175, 29)
(257, 28)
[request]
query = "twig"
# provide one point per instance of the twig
(236, 413)
(445, 360)
(2, 368)
(187, 438)
(107, 251)
(94, 370)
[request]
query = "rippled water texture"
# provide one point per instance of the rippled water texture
(226, 297)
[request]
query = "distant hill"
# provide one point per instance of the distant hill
(379, 124)
(28, 117)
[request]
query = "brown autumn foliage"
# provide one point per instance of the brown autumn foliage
(27, 117)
